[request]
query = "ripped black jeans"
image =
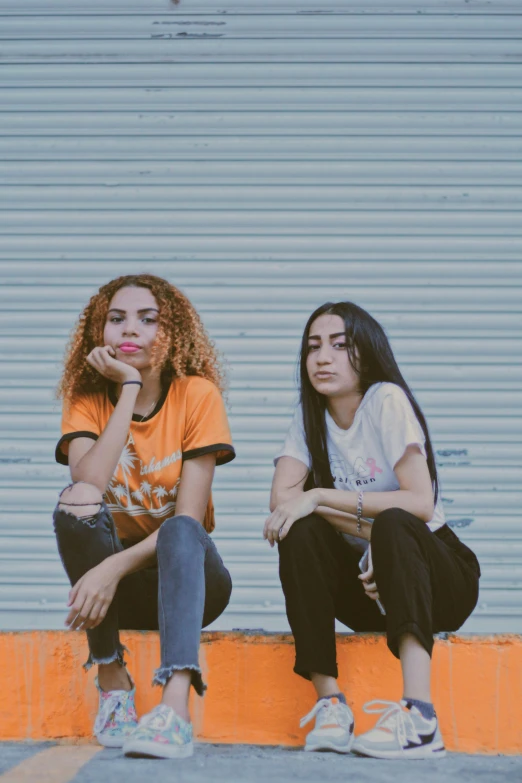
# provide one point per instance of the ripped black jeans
(187, 591)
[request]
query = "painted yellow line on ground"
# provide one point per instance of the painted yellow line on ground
(58, 764)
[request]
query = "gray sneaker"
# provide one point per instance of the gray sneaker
(401, 732)
(333, 726)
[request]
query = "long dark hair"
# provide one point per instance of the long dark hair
(375, 362)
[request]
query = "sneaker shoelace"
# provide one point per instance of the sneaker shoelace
(326, 712)
(394, 717)
(111, 704)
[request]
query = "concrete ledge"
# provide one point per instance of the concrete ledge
(253, 695)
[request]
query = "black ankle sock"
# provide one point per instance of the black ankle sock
(426, 708)
(340, 696)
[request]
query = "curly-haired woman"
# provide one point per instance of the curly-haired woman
(144, 426)
(358, 467)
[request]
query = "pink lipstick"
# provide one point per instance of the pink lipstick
(129, 347)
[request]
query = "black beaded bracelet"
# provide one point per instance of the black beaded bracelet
(126, 383)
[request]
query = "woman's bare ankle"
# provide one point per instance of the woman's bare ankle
(113, 677)
(324, 685)
(176, 693)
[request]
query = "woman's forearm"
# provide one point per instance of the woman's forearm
(97, 466)
(136, 557)
(376, 502)
(345, 523)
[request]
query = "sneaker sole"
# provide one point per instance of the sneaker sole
(111, 742)
(329, 746)
(157, 750)
(412, 753)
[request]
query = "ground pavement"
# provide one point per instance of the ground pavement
(86, 763)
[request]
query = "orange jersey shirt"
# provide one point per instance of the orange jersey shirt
(189, 420)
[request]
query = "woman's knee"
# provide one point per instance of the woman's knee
(304, 533)
(80, 499)
(391, 522)
(178, 531)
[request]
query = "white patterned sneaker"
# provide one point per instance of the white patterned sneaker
(333, 726)
(401, 732)
(116, 716)
(161, 734)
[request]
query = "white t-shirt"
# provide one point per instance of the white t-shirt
(364, 456)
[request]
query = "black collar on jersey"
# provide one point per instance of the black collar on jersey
(136, 417)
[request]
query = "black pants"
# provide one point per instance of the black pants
(428, 582)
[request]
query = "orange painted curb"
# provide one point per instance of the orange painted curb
(253, 695)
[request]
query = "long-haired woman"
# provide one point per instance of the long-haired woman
(144, 425)
(355, 489)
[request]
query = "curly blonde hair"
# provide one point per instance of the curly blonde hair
(182, 346)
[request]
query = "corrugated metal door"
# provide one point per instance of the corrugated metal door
(266, 157)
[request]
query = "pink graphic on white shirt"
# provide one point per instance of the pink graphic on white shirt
(372, 464)
(363, 471)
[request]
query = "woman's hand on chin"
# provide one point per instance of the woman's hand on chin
(285, 514)
(102, 359)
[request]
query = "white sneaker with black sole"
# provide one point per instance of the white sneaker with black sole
(334, 726)
(400, 733)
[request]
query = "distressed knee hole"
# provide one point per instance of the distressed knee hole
(81, 500)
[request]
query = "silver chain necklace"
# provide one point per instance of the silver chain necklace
(148, 412)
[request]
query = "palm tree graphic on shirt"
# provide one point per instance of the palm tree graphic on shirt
(137, 500)
(118, 491)
(145, 488)
(174, 491)
(160, 492)
(126, 464)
